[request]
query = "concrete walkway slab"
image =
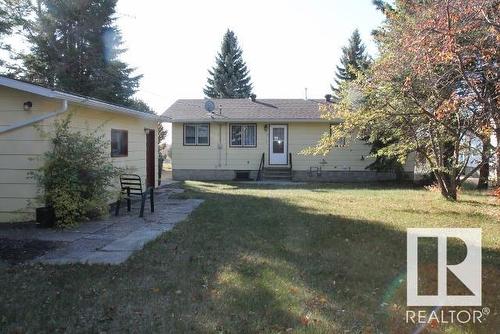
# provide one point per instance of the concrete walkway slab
(112, 240)
(102, 257)
(134, 241)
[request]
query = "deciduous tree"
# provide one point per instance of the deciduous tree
(433, 89)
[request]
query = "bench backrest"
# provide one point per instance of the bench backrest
(131, 184)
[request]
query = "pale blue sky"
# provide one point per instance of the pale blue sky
(288, 44)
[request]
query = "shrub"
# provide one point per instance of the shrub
(76, 175)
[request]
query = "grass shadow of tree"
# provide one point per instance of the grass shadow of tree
(241, 263)
(349, 264)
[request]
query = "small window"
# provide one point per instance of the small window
(243, 135)
(341, 142)
(197, 134)
(119, 143)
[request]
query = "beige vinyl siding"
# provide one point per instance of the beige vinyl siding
(21, 148)
(351, 157)
(300, 135)
(218, 155)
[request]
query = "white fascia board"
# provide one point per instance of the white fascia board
(106, 106)
(26, 87)
(54, 94)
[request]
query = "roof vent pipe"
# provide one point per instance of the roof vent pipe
(305, 92)
(328, 97)
(253, 97)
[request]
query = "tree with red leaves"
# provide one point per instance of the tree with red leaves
(433, 90)
(462, 38)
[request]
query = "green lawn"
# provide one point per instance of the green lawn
(303, 259)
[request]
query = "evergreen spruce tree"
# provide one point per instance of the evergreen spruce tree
(229, 78)
(75, 47)
(5, 28)
(354, 58)
(12, 16)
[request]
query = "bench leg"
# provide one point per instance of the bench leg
(151, 199)
(143, 202)
(128, 199)
(117, 208)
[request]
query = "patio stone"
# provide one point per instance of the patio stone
(78, 249)
(171, 218)
(49, 235)
(134, 241)
(62, 260)
(114, 239)
(91, 227)
(101, 257)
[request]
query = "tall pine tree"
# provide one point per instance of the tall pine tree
(354, 58)
(12, 13)
(75, 47)
(229, 78)
(5, 28)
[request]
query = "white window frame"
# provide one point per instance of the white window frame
(196, 137)
(242, 145)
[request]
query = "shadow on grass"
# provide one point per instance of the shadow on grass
(349, 271)
(240, 264)
(324, 186)
(452, 213)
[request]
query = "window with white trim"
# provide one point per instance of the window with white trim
(243, 135)
(119, 143)
(197, 134)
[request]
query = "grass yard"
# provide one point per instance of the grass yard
(302, 259)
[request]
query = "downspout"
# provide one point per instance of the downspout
(36, 119)
(226, 142)
(219, 147)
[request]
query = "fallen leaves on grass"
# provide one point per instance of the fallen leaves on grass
(496, 192)
(305, 319)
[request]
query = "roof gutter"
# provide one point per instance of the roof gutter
(71, 98)
(36, 119)
(255, 120)
(99, 105)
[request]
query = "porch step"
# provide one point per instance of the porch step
(277, 169)
(277, 173)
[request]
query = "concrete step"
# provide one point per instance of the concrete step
(286, 174)
(267, 179)
(277, 173)
(284, 171)
(277, 169)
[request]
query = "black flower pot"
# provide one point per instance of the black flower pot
(45, 217)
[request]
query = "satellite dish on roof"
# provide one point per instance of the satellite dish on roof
(209, 106)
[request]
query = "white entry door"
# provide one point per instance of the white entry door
(278, 145)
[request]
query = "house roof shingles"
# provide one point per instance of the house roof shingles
(289, 110)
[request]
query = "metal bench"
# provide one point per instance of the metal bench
(131, 187)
